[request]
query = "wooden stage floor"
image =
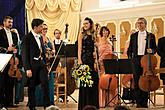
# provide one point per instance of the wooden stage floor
(71, 105)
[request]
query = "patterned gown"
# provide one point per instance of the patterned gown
(88, 95)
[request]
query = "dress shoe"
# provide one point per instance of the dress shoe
(12, 106)
(32, 108)
(138, 106)
(141, 106)
(3, 108)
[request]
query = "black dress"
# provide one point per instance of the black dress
(88, 95)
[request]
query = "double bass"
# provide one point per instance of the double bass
(149, 81)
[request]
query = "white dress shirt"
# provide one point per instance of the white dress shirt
(141, 42)
(9, 37)
(57, 41)
(37, 38)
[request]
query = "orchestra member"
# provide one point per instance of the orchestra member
(57, 34)
(87, 95)
(33, 57)
(8, 40)
(105, 52)
(49, 49)
(136, 50)
(161, 53)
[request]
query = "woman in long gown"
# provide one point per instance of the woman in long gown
(87, 95)
(105, 52)
(49, 49)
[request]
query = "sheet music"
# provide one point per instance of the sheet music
(4, 59)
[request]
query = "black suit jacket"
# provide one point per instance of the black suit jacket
(133, 46)
(30, 51)
(161, 53)
(4, 41)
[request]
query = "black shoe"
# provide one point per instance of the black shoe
(144, 106)
(138, 106)
(12, 106)
(32, 108)
(3, 108)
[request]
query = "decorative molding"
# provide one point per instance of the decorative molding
(153, 9)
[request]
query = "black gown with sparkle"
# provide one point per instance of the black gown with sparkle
(88, 95)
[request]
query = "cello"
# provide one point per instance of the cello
(108, 81)
(149, 81)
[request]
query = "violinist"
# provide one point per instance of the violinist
(7, 40)
(49, 49)
(105, 52)
(138, 48)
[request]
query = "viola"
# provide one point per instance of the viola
(14, 71)
(149, 81)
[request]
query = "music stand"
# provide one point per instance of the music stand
(66, 51)
(5, 58)
(117, 66)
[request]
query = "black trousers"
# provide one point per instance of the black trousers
(39, 75)
(6, 88)
(141, 96)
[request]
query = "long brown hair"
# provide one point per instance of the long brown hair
(91, 29)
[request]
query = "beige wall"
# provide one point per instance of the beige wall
(129, 15)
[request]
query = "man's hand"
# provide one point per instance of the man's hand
(29, 73)
(10, 48)
(149, 50)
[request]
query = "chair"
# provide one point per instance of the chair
(159, 93)
(61, 84)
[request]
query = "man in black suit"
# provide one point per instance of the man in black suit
(33, 57)
(7, 40)
(138, 47)
(161, 53)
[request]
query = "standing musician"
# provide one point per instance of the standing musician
(87, 95)
(57, 34)
(7, 40)
(105, 52)
(33, 57)
(49, 49)
(161, 53)
(138, 48)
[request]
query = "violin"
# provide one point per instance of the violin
(14, 71)
(149, 81)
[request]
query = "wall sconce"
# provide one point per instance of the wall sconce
(154, 28)
(122, 32)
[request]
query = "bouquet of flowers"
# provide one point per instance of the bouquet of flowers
(82, 73)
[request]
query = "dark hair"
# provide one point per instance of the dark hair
(45, 24)
(7, 17)
(89, 107)
(91, 25)
(143, 19)
(36, 22)
(101, 30)
(57, 30)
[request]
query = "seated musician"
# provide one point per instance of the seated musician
(105, 52)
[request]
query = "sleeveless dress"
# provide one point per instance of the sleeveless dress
(39, 92)
(105, 51)
(88, 95)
